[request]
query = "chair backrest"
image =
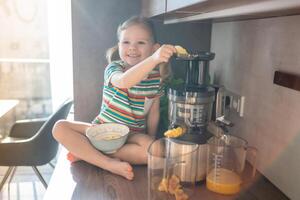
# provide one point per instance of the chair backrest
(43, 140)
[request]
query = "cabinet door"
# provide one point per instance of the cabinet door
(177, 4)
(151, 8)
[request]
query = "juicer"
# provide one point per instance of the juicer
(192, 106)
(191, 103)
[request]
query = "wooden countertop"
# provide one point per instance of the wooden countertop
(81, 180)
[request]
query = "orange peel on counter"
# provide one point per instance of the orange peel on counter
(163, 185)
(172, 186)
(181, 195)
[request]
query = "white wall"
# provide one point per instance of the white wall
(247, 55)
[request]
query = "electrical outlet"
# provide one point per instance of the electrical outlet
(236, 102)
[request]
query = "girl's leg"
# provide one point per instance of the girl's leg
(71, 135)
(135, 150)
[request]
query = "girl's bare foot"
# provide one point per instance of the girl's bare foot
(121, 168)
(72, 158)
(114, 165)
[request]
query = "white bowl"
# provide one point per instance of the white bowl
(108, 137)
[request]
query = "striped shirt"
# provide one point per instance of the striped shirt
(127, 106)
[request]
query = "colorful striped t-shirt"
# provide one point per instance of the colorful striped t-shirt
(126, 106)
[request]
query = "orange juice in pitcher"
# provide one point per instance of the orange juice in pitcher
(223, 181)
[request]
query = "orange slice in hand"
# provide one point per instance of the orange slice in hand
(181, 51)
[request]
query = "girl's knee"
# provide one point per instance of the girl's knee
(141, 139)
(148, 143)
(145, 145)
(59, 128)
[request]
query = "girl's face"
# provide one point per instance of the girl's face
(135, 44)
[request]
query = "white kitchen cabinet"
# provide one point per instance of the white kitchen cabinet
(151, 8)
(179, 4)
(175, 11)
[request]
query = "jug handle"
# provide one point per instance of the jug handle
(253, 151)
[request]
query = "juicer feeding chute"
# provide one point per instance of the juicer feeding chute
(197, 71)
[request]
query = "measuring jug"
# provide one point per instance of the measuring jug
(226, 162)
(165, 158)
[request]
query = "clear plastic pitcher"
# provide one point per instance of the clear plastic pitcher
(226, 162)
(164, 159)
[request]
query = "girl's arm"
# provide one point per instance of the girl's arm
(153, 118)
(135, 74)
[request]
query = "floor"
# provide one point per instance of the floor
(25, 185)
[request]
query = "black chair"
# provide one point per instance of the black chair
(30, 143)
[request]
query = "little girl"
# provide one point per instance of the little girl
(132, 87)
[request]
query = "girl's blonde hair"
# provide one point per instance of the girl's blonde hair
(112, 54)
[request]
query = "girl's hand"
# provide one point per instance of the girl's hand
(164, 53)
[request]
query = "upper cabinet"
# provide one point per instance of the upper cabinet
(174, 11)
(151, 8)
(178, 4)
